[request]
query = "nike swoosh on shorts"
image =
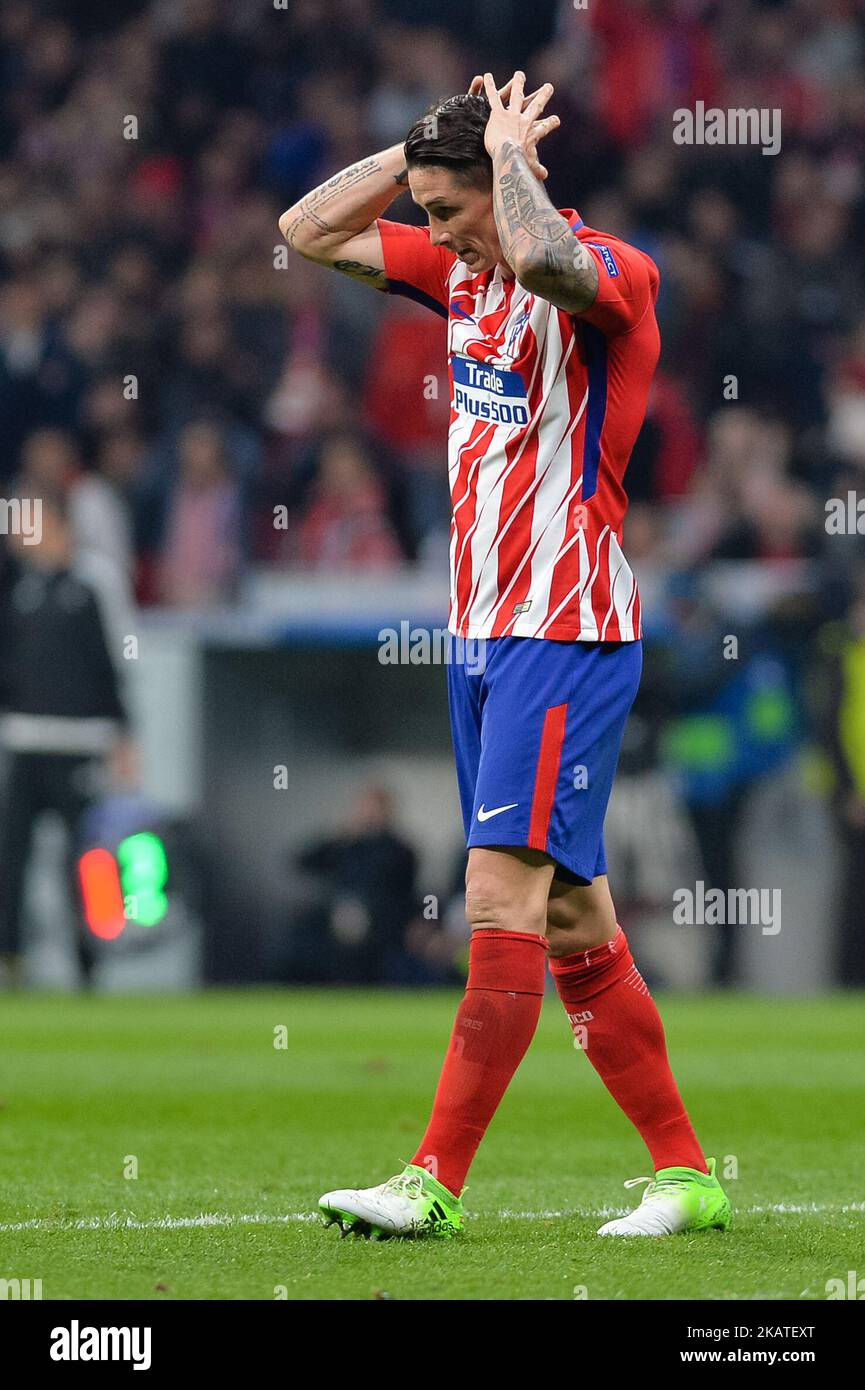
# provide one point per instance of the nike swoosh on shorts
(485, 815)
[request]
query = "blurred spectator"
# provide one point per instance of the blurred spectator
(735, 720)
(239, 111)
(98, 509)
(844, 734)
(438, 945)
(100, 518)
(203, 545)
(137, 289)
(104, 500)
(409, 409)
(367, 871)
(847, 400)
(778, 521)
(63, 712)
(49, 463)
(346, 526)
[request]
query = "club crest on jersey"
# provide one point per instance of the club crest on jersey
(512, 346)
(489, 392)
(607, 257)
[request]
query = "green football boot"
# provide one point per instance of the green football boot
(411, 1204)
(676, 1199)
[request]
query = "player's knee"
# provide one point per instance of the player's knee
(572, 928)
(493, 902)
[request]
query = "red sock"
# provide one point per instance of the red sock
(495, 1023)
(604, 993)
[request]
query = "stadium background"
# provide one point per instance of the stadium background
(253, 449)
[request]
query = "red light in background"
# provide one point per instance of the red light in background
(103, 897)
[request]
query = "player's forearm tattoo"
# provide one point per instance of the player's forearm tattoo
(538, 245)
(305, 214)
(341, 182)
(309, 210)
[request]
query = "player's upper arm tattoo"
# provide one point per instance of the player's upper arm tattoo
(539, 246)
(370, 274)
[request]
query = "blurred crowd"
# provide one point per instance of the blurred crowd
(176, 380)
(162, 357)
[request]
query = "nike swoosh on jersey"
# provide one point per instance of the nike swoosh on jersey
(485, 815)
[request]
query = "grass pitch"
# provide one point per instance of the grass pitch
(233, 1140)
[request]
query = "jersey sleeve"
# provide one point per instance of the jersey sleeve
(413, 266)
(627, 286)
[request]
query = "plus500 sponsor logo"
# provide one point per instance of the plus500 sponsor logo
(489, 393)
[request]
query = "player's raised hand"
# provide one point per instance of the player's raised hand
(520, 121)
(476, 89)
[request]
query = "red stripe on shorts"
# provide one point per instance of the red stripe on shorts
(547, 775)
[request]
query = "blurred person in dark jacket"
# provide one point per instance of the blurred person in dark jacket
(63, 718)
(735, 720)
(368, 872)
(844, 645)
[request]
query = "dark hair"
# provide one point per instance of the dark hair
(451, 134)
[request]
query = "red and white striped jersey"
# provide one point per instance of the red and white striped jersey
(545, 409)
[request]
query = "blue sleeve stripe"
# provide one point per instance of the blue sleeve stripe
(419, 296)
(596, 354)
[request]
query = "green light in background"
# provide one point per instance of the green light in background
(143, 875)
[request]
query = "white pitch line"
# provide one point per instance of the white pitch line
(775, 1209)
(116, 1222)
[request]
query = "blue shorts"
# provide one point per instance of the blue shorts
(537, 727)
